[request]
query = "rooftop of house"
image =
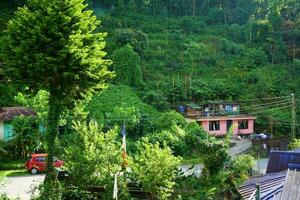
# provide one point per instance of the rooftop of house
(211, 108)
(281, 182)
(8, 113)
(268, 183)
(280, 160)
(228, 117)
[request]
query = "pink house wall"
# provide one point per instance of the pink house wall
(223, 127)
(222, 131)
(249, 130)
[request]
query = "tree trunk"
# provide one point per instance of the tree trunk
(54, 113)
(194, 8)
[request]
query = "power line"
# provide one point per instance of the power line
(267, 104)
(267, 107)
(265, 98)
(275, 123)
(235, 101)
(272, 109)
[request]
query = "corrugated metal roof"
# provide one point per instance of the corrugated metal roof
(279, 160)
(269, 184)
(272, 194)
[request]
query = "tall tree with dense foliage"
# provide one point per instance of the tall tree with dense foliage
(53, 45)
(127, 65)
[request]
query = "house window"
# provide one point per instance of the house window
(229, 108)
(214, 125)
(243, 124)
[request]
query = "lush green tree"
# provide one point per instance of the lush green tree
(39, 103)
(230, 175)
(119, 104)
(52, 45)
(136, 39)
(157, 99)
(241, 168)
(127, 65)
(154, 169)
(168, 119)
(92, 157)
(7, 93)
(215, 155)
(27, 137)
(174, 137)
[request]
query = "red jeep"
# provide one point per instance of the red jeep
(37, 163)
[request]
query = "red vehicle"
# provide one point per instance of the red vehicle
(37, 163)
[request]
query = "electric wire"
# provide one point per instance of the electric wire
(237, 101)
(268, 104)
(265, 107)
(272, 109)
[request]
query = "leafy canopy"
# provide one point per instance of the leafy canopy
(53, 45)
(92, 156)
(127, 65)
(154, 168)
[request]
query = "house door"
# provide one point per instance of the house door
(229, 124)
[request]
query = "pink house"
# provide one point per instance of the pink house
(219, 125)
(218, 117)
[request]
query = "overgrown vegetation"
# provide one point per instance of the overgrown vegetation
(164, 54)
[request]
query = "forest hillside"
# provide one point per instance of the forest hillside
(173, 52)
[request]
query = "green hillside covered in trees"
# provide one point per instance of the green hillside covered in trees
(89, 81)
(173, 52)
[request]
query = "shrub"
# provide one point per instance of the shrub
(294, 144)
(92, 157)
(154, 169)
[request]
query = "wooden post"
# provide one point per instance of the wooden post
(173, 90)
(257, 195)
(293, 127)
(194, 8)
(191, 88)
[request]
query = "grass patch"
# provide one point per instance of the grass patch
(191, 161)
(19, 172)
(10, 173)
(2, 175)
(12, 165)
(12, 168)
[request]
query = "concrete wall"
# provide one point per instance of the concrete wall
(1, 130)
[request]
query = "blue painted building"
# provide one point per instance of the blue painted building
(7, 114)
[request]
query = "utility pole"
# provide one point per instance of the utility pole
(191, 88)
(293, 127)
(257, 194)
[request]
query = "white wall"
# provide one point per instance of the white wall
(1, 130)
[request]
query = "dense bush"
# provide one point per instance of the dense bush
(154, 169)
(92, 157)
